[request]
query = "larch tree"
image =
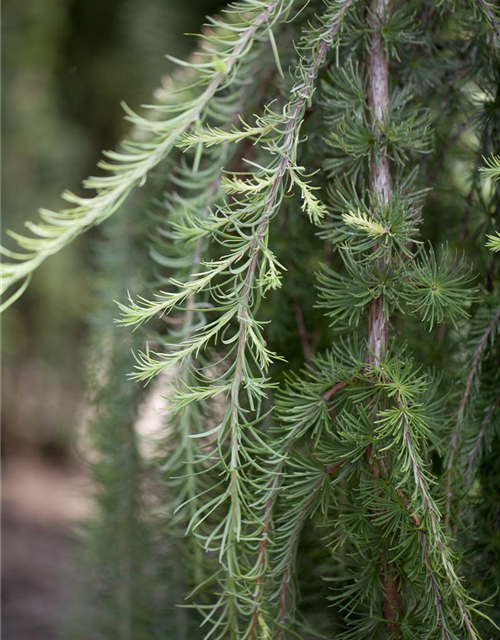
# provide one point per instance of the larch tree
(310, 265)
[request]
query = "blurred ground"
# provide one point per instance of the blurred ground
(42, 502)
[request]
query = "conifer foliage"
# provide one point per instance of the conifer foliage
(321, 309)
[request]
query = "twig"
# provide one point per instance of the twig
(333, 390)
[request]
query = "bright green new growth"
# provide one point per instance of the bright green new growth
(321, 316)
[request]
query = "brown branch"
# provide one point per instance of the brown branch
(476, 359)
(393, 603)
(380, 182)
(333, 390)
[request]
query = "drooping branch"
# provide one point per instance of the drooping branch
(270, 504)
(433, 536)
(288, 560)
(476, 360)
(266, 207)
(130, 167)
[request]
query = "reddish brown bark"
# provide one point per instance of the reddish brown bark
(380, 185)
(380, 179)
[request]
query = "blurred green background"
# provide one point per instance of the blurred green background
(67, 64)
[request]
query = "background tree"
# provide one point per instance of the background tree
(328, 455)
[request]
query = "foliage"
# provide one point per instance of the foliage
(121, 556)
(327, 456)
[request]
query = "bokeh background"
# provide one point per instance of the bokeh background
(67, 64)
